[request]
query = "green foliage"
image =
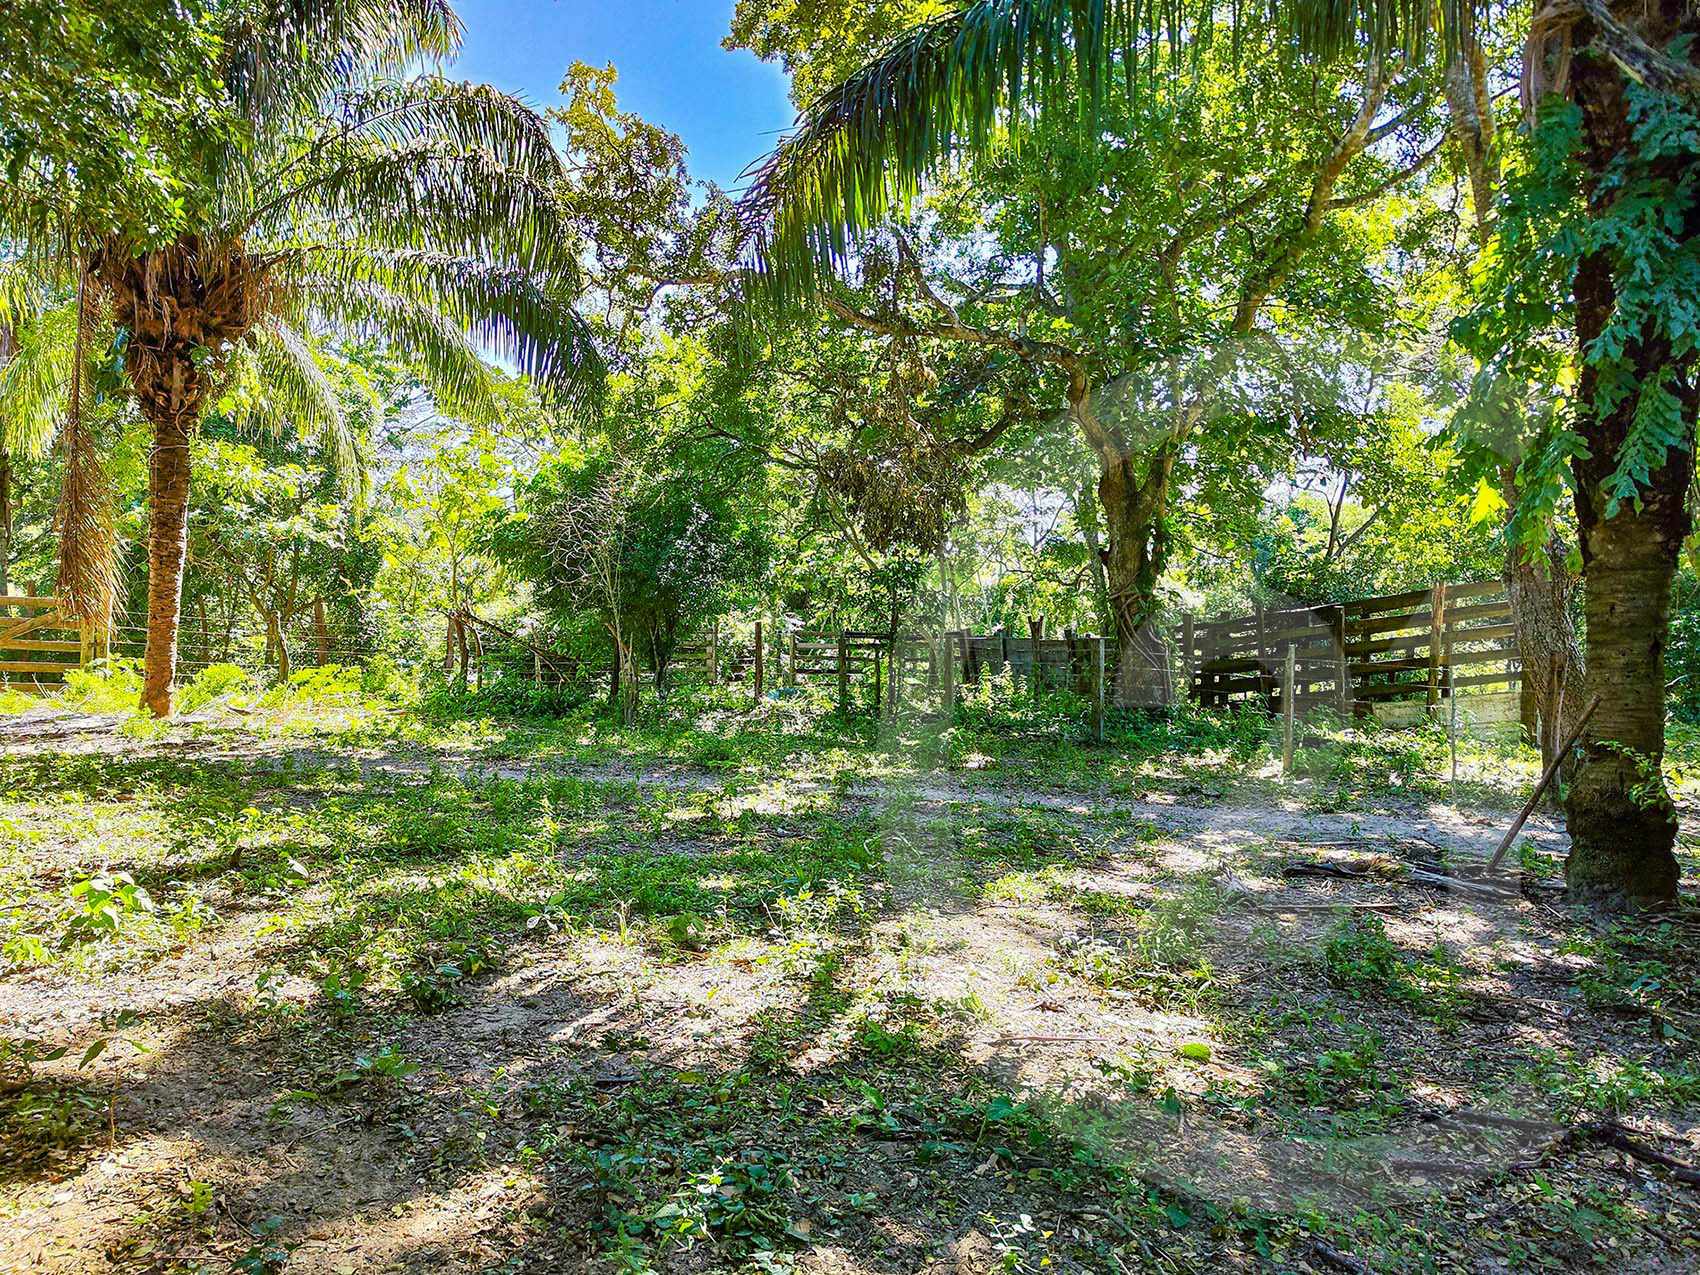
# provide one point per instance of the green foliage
(1548, 228)
(102, 905)
(106, 116)
(1360, 957)
(211, 684)
(111, 686)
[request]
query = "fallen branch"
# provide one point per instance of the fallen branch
(1324, 870)
(1424, 877)
(1611, 1134)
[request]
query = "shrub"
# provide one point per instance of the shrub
(211, 683)
(107, 686)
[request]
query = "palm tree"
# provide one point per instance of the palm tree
(349, 194)
(996, 68)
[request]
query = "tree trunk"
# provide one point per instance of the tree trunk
(1087, 516)
(168, 540)
(280, 646)
(181, 303)
(1134, 556)
(1539, 590)
(1621, 818)
(321, 631)
(1622, 821)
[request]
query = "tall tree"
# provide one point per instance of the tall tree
(414, 208)
(1606, 227)
(1167, 277)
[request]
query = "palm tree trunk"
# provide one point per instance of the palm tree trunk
(168, 543)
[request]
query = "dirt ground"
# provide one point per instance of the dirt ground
(945, 1020)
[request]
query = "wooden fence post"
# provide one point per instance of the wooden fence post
(1188, 634)
(947, 674)
(758, 664)
(1287, 712)
(1035, 635)
(879, 686)
(1265, 681)
(894, 691)
(791, 670)
(1436, 641)
(714, 652)
(1098, 689)
(843, 675)
(1342, 666)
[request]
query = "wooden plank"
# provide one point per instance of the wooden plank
(1485, 633)
(1390, 666)
(24, 600)
(1479, 589)
(1483, 657)
(35, 666)
(28, 624)
(1380, 645)
(1392, 602)
(1390, 624)
(1488, 679)
(1394, 690)
(1480, 611)
(11, 644)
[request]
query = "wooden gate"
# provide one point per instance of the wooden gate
(38, 643)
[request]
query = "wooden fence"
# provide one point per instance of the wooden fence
(38, 643)
(1417, 645)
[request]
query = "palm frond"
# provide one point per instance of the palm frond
(994, 69)
(414, 298)
(431, 194)
(285, 58)
(291, 392)
(35, 381)
(476, 117)
(24, 291)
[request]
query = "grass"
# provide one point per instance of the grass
(738, 984)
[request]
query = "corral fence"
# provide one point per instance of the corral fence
(1413, 649)
(1369, 655)
(1421, 645)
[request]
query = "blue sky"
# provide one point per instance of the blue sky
(728, 107)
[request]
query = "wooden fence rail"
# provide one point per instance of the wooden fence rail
(39, 643)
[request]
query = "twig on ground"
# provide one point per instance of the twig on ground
(1331, 1256)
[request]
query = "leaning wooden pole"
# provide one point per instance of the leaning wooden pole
(1288, 679)
(1540, 788)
